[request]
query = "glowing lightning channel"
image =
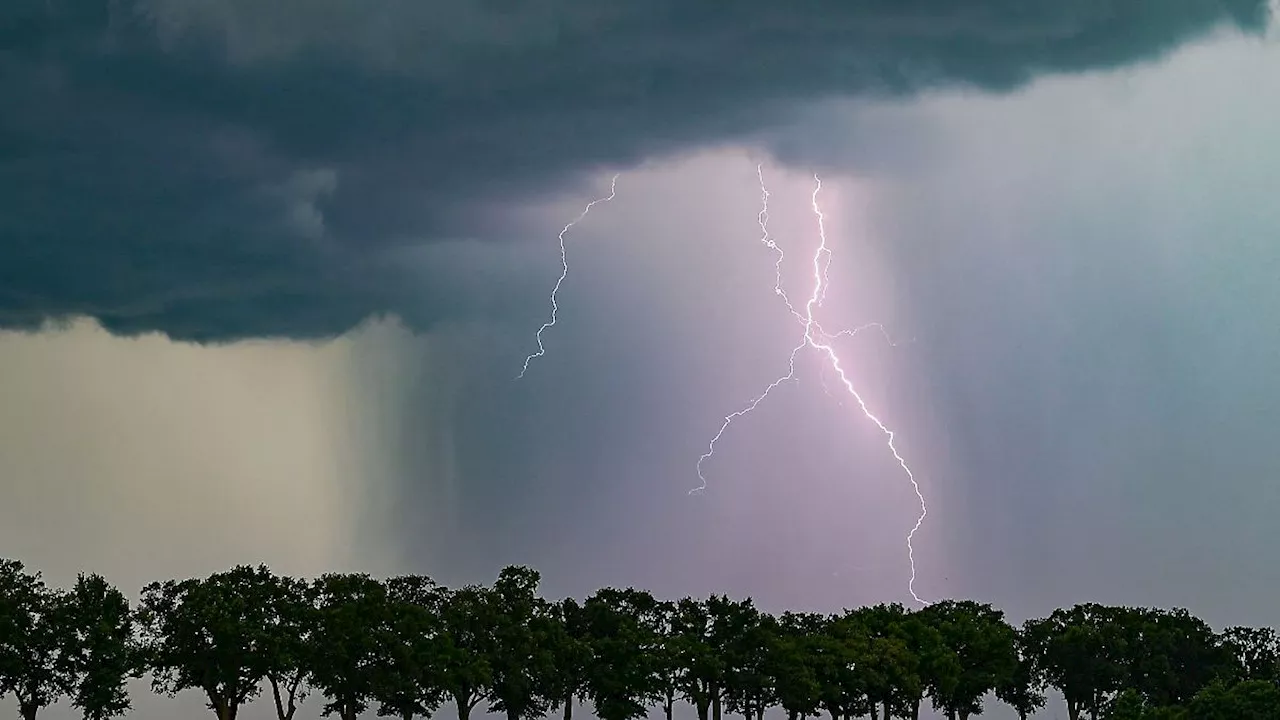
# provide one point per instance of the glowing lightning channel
(564, 273)
(818, 339)
(819, 278)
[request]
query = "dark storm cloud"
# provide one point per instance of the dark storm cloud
(222, 170)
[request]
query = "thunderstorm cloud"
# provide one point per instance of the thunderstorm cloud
(239, 169)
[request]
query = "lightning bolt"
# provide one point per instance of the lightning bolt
(819, 340)
(564, 273)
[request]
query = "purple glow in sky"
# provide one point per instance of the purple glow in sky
(303, 248)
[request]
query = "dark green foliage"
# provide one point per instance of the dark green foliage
(793, 664)
(522, 652)
(209, 635)
(978, 653)
(570, 646)
(351, 622)
(33, 637)
(1255, 653)
(407, 645)
(1248, 700)
(98, 647)
(624, 675)
(288, 641)
(467, 645)
(409, 678)
(1024, 689)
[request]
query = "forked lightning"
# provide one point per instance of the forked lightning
(564, 273)
(816, 338)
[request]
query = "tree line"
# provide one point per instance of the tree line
(407, 645)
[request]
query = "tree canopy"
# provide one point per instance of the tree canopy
(406, 645)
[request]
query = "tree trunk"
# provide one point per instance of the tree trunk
(512, 714)
(464, 707)
(225, 710)
(28, 710)
(793, 715)
(887, 714)
(568, 708)
(704, 707)
(1073, 710)
(759, 712)
(286, 706)
(715, 705)
(668, 706)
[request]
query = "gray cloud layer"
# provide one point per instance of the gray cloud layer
(233, 169)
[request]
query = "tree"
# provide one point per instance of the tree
(1248, 700)
(1080, 652)
(409, 677)
(350, 636)
(209, 635)
(1169, 655)
(980, 646)
(1256, 652)
(667, 658)
(792, 664)
(844, 669)
(288, 642)
(623, 676)
(33, 627)
(99, 647)
(571, 655)
(901, 659)
(702, 632)
(749, 688)
(520, 655)
(1024, 689)
(465, 674)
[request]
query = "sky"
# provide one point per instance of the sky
(268, 272)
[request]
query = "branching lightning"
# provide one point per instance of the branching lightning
(564, 273)
(816, 338)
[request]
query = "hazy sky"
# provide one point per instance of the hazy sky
(1065, 221)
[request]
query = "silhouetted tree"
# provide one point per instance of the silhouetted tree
(405, 646)
(208, 635)
(906, 654)
(979, 653)
(1248, 700)
(352, 618)
(702, 632)
(1081, 651)
(792, 664)
(288, 642)
(667, 659)
(465, 674)
(571, 654)
(846, 672)
(1256, 653)
(623, 676)
(749, 687)
(1024, 689)
(409, 676)
(33, 636)
(521, 656)
(1168, 655)
(99, 647)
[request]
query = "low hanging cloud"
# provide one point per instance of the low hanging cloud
(239, 169)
